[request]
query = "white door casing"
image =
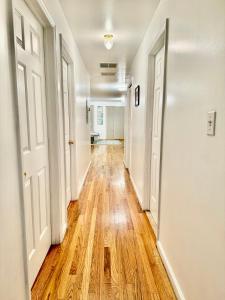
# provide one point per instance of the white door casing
(156, 134)
(126, 130)
(66, 107)
(34, 139)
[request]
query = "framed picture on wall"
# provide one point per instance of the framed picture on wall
(137, 95)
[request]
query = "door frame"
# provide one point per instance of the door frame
(127, 127)
(160, 42)
(65, 54)
(53, 124)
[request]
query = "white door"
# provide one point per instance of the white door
(110, 122)
(156, 134)
(34, 139)
(118, 122)
(115, 122)
(66, 128)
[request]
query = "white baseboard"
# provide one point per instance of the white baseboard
(170, 272)
(152, 222)
(125, 165)
(63, 232)
(83, 180)
(136, 191)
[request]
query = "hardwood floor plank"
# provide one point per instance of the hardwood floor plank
(88, 258)
(97, 265)
(107, 265)
(109, 250)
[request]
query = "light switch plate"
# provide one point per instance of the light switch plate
(211, 123)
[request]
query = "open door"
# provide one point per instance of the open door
(156, 135)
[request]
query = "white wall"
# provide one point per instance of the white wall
(193, 168)
(12, 278)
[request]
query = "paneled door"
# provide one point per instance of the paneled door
(156, 134)
(110, 122)
(114, 122)
(118, 122)
(67, 142)
(34, 139)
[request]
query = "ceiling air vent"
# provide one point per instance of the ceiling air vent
(108, 65)
(112, 65)
(108, 74)
(104, 65)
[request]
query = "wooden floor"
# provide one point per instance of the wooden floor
(109, 250)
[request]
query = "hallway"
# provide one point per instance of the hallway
(112, 162)
(107, 235)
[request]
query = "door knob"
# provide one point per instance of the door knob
(25, 174)
(71, 142)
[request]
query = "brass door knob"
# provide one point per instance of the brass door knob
(25, 174)
(71, 142)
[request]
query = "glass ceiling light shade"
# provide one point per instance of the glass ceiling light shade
(108, 41)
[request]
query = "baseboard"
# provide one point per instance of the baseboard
(125, 165)
(136, 191)
(63, 232)
(170, 272)
(152, 222)
(83, 180)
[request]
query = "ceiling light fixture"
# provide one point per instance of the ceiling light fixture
(108, 41)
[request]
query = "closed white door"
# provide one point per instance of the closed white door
(110, 122)
(34, 139)
(156, 134)
(115, 122)
(66, 128)
(118, 122)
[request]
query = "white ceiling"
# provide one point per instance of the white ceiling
(127, 20)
